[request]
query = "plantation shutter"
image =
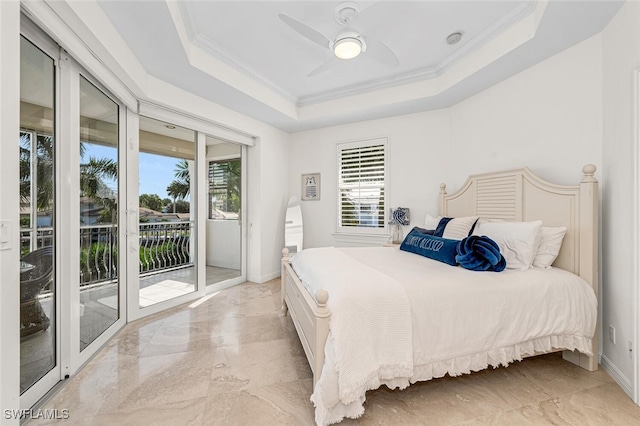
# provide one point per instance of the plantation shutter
(361, 186)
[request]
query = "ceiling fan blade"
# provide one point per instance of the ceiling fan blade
(381, 53)
(324, 67)
(305, 30)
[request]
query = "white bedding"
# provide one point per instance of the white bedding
(370, 321)
(461, 320)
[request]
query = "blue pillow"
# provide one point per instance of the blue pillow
(424, 231)
(441, 225)
(480, 253)
(437, 248)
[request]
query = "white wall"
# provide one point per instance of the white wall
(416, 142)
(548, 117)
(273, 183)
(621, 57)
(223, 244)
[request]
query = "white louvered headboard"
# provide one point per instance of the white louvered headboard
(519, 195)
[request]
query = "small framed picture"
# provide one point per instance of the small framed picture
(310, 187)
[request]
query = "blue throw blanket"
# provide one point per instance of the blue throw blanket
(480, 253)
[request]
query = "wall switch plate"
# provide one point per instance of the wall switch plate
(612, 334)
(5, 235)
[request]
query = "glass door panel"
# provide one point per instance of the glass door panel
(98, 213)
(38, 354)
(224, 222)
(166, 211)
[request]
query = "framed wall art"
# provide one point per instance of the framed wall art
(310, 187)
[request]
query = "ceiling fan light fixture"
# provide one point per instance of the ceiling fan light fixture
(347, 47)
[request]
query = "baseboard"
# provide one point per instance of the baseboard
(266, 277)
(617, 375)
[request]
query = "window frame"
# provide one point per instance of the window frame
(363, 230)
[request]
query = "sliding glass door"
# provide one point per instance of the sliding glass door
(69, 158)
(99, 242)
(39, 356)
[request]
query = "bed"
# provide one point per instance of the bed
(553, 309)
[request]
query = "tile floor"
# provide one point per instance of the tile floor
(232, 360)
(36, 351)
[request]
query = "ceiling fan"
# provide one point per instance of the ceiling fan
(348, 44)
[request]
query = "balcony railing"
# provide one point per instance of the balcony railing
(163, 246)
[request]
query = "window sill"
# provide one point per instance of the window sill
(361, 239)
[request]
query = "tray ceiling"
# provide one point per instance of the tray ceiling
(241, 55)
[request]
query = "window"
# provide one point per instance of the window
(362, 186)
(224, 189)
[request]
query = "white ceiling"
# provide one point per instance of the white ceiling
(241, 55)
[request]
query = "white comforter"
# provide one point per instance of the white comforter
(461, 321)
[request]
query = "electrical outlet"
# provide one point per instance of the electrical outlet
(612, 334)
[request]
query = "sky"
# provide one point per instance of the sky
(156, 171)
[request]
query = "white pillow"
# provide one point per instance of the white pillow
(550, 243)
(518, 241)
(459, 228)
(431, 222)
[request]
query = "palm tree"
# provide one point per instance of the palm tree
(182, 172)
(180, 187)
(92, 173)
(44, 148)
(92, 176)
(175, 190)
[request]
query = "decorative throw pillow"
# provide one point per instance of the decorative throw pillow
(440, 249)
(480, 253)
(423, 231)
(550, 244)
(431, 222)
(518, 241)
(455, 228)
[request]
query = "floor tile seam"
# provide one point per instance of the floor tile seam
(252, 387)
(64, 385)
(249, 388)
(205, 354)
(225, 346)
(146, 357)
(548, 396)
(497, 413)
(130, 411)
(115, 410)
(533, 404)
(593, 385)
(198, 324)
(520, 404)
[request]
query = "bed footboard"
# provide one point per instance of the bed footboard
(310, 315)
